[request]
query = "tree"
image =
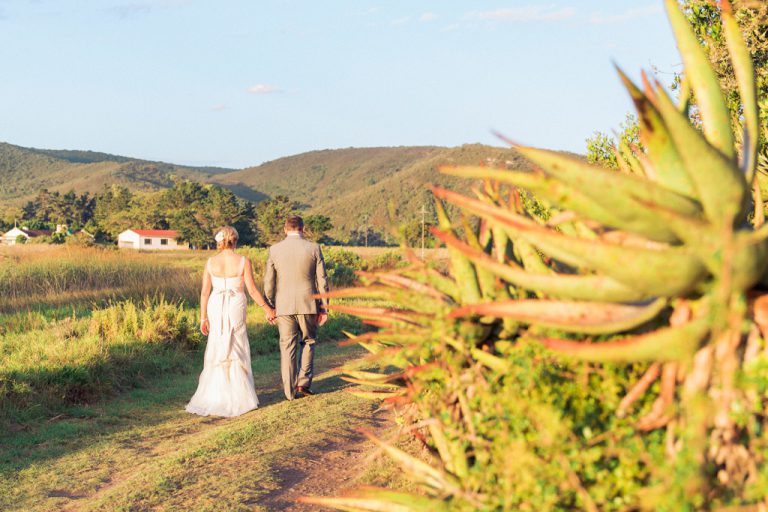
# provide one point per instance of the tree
(317, 226)
(704, 16)
(271, 215)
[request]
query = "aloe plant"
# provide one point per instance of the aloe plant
(660, 258)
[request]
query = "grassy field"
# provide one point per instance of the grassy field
(93, 381)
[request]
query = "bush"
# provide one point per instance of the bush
(341, 266)
(75, 361)
(386, 261)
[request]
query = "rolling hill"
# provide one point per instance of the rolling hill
(353, 186)
(25, 171)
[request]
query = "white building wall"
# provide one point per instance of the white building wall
(9, 238)
(131, 240)
(128, 240)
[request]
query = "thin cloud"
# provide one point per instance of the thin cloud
(132, 9)
(598, 18)
(401, 21)
(524, 14)
(219, 108)
(264, 89)
(428, 16)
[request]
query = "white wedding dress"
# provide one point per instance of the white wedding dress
(226, 382)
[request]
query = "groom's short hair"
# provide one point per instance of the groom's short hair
(294, 223)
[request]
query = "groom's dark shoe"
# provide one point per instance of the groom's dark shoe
(302, 391)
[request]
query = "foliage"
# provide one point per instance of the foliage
(341, 266)
(271, 216)
(605, 150)
(316, 226)
(411, 233)
(386, 260)
(649, 273)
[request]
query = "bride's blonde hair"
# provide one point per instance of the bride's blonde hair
(226, 238)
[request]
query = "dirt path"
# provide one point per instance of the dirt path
(143, 452)
(326, 469)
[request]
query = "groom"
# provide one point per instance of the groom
(295, 272)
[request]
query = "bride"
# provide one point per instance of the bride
(226, 382)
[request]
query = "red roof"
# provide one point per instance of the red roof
(169, 233)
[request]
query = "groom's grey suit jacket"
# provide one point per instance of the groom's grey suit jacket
(295, 272)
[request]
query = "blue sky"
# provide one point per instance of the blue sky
(235, 83)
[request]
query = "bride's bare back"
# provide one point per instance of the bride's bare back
(225, 264)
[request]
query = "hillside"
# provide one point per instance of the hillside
(353, 186)
(25, 171)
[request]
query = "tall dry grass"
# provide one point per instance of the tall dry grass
(34, 276)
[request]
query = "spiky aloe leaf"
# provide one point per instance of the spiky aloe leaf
(541, 185)
(374, 313)
(418, 469)
(668, 344)
(366, 382)
(563, 286)
(486, 280)
(452, 453)
(668, 166)
(703, 79)
(625, 191)
(745, 77)
(376, 395)
(378, 500)
(630, 158)
(720, 186)
(580, 317)
(564, 195)
(499, 365)
(410, 284)
(656, 271)
(373, 378)
(363, 292)
(463, 270)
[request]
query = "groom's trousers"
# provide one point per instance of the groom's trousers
(298, 334)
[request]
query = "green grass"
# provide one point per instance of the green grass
(142, 451)
(92, 394)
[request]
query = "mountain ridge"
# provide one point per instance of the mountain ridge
(353, 186)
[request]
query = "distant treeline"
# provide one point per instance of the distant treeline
(194, 209)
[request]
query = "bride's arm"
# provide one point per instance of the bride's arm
(254, 292)
(205, 293)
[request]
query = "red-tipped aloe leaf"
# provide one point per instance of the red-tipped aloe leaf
(667, 164)
(719, 184)
(615, 191)
(563, 286)
(663, 271)
(378, 500)
(667, 344)
(566, 196)
(580, 317)
(463, 271)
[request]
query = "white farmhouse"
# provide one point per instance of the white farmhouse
(150, 239)
(10, 237)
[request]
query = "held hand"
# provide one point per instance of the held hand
(205, 327)
(322, 318)
(269, 312)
